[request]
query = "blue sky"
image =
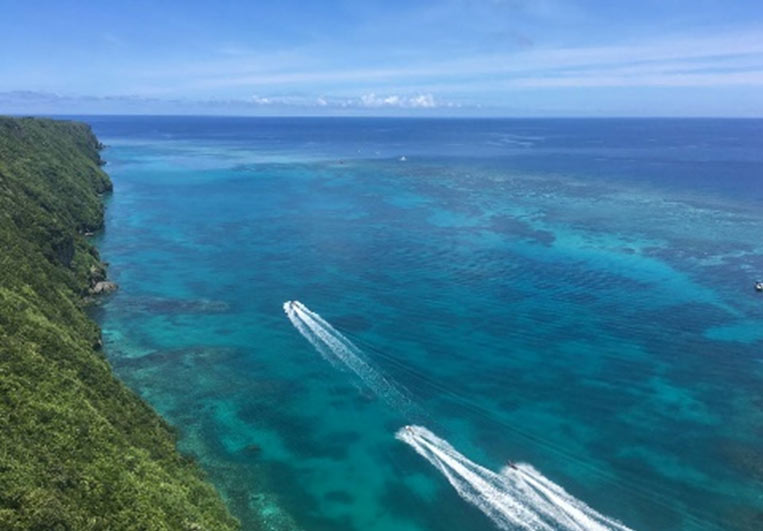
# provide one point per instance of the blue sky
(344, 57)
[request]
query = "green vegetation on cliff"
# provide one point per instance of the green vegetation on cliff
(78, 450)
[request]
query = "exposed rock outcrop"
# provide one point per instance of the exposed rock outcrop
(104, 286)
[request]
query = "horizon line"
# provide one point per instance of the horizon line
(387, 116)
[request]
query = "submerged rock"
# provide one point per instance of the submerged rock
(252, 449)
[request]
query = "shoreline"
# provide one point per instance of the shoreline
(79, 449)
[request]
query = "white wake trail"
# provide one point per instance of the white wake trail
(308, 334)
(341, 352)
(479, 486)
(574, 510)
(518, 498)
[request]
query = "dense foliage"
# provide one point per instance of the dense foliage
(78, 450)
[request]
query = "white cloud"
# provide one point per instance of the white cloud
(425, 101)
(369, 100)
(419, 101)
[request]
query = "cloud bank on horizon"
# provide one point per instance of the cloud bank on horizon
(447, 57)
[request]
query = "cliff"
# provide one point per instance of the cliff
(78, 450)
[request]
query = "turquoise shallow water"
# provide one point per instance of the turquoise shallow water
(576, 295)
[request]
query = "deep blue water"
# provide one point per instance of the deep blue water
(572, 294)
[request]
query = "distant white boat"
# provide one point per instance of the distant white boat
(403, 159)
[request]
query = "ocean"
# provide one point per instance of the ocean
(561, 312)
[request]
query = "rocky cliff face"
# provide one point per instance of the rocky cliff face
(78, 450)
